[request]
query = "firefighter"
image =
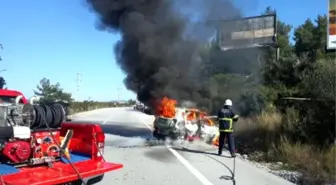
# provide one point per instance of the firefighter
(226, 118)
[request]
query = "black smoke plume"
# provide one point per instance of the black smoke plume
(160, 44)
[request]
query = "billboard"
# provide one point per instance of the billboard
(331, 35)
(247, 32)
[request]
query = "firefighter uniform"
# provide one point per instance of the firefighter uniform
(226, 118)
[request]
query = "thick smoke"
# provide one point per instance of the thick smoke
(161, 42)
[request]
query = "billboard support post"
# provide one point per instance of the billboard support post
(277, 53)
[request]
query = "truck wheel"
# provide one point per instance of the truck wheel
(162, 137)
(95, 180)
(77, 182)
(91, 181)
(155, 134)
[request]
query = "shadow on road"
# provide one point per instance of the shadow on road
(199, 152)
(161, 155)
(137, 137)
(120, 129)
(126, 131)
(132, 110)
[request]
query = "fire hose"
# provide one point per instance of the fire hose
(58, 110)
(232, 178)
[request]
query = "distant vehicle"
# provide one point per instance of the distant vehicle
(140, 107)
(149, 111)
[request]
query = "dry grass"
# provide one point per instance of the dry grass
(268, 133)
(258, 133)
(269, 122)
(316, 164)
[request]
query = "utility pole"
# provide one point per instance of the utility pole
(78, 81)
(118, 89)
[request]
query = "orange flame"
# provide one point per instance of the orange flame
(192, 114)
(215, 141)
(195, 114)
(209, 121)
(166, 108)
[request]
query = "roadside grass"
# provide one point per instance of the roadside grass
(267, 137)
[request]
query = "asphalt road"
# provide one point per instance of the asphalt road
(126, 134)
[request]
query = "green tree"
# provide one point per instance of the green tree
(273, 70)
(2, 83)
(131, 102)
(2, 80)
(51, 92)
(1, 49)
(283, 34)
(311, 39)
(279, 76)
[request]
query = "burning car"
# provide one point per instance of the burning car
(166, 123)
(182, 123)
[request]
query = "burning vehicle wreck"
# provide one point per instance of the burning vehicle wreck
(178, 123)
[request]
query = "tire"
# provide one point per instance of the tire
(78, 182)
(163, 137)
(158, 136)
(91, 181)
(155, 134)
(95, 180)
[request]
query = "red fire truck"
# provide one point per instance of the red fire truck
(38, 147)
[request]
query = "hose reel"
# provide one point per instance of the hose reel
(41, 116)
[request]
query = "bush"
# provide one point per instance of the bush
(250, 103)
(319, 85)
(276, 135)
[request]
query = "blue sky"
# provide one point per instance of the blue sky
(57, 39)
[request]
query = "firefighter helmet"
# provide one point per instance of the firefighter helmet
(228, 102)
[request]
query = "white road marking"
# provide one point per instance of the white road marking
(184, 161)
(192, 169)
(107, 120)
(149, 127)
(104, 122)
